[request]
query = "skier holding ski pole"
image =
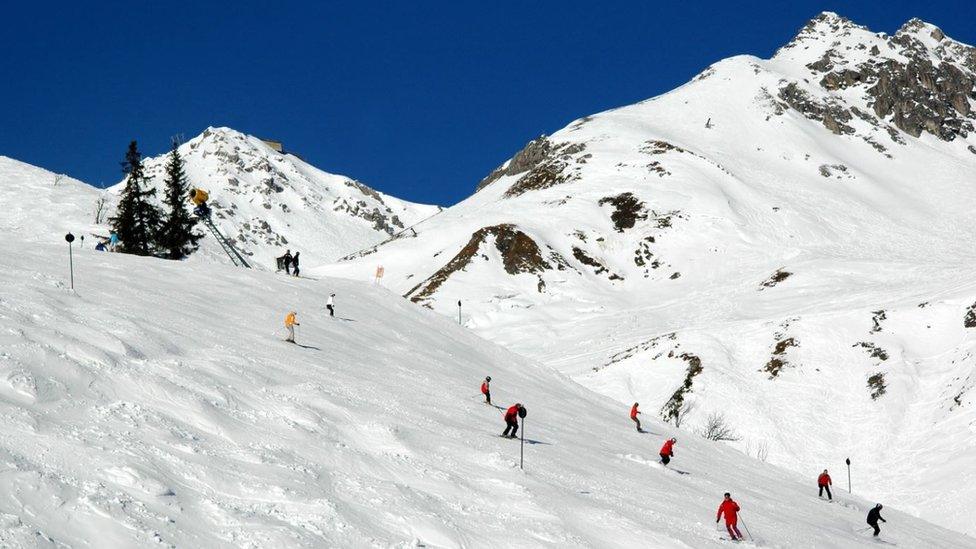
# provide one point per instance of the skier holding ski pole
(730, 509)
(874, 515)
(486, 389)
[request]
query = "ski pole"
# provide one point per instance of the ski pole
(747, 529)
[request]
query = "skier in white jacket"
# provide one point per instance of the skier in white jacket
(330, 305)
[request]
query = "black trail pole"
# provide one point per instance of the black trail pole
(71, 261)
(459, 311)
(522, 447)
(849, 476)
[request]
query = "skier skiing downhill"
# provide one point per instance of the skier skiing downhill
(874, 515)
(290, 324)
(730, 509)
(511, 420)
(294, 264)
(486, 390)
(667, 451)
(633, 416)
(330, 305)
(824, 482)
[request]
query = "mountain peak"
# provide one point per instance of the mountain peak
(828, 23)
(917, 27)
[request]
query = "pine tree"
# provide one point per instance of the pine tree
(137, 219)
(176, 237)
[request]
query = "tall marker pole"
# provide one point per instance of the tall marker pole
(522, 447)
(849, 476)
(459, 311)
(69, 238)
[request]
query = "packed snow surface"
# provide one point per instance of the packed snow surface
(766, 223)
(157, 405)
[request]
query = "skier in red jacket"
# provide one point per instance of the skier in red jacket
(511, 420)
(633, 416)
(730, 509)
(485, 390)
(824, 482)
(667, 451)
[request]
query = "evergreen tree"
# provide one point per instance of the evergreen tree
(176, 237)
(137, 219)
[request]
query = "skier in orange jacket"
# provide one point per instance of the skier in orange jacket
(290, 324)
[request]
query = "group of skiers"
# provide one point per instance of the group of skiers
(288, 263)
(291, 319)
(729, 507)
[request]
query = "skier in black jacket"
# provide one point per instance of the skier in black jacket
(874, 515)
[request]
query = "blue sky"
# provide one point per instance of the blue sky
(417, 99)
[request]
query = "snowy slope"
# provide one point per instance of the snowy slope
(267, 202)
(154, 406)
(38, 205)
(765, 213)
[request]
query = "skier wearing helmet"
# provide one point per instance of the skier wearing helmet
(874, 515)
(486, 390)
(667, 451)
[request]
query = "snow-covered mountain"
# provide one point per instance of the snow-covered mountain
(155, 407)
(267, 201)
(38, 205)
(785, 240)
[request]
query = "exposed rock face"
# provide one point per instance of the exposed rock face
(553, 170)
(598, 267)
(529, 157)
(833, 116)
(520, 255)
(918, 80)
(628, 209)
(544, 164)
(672, 407)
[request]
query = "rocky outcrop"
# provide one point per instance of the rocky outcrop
(543, 163)
(519, 252)
(833, 116)
(627, 210)
(673, 406)
(595, 264)
(775, 278)
(778, 360)
(919, 90)
(528, 158)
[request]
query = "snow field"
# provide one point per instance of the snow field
(158, 405)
